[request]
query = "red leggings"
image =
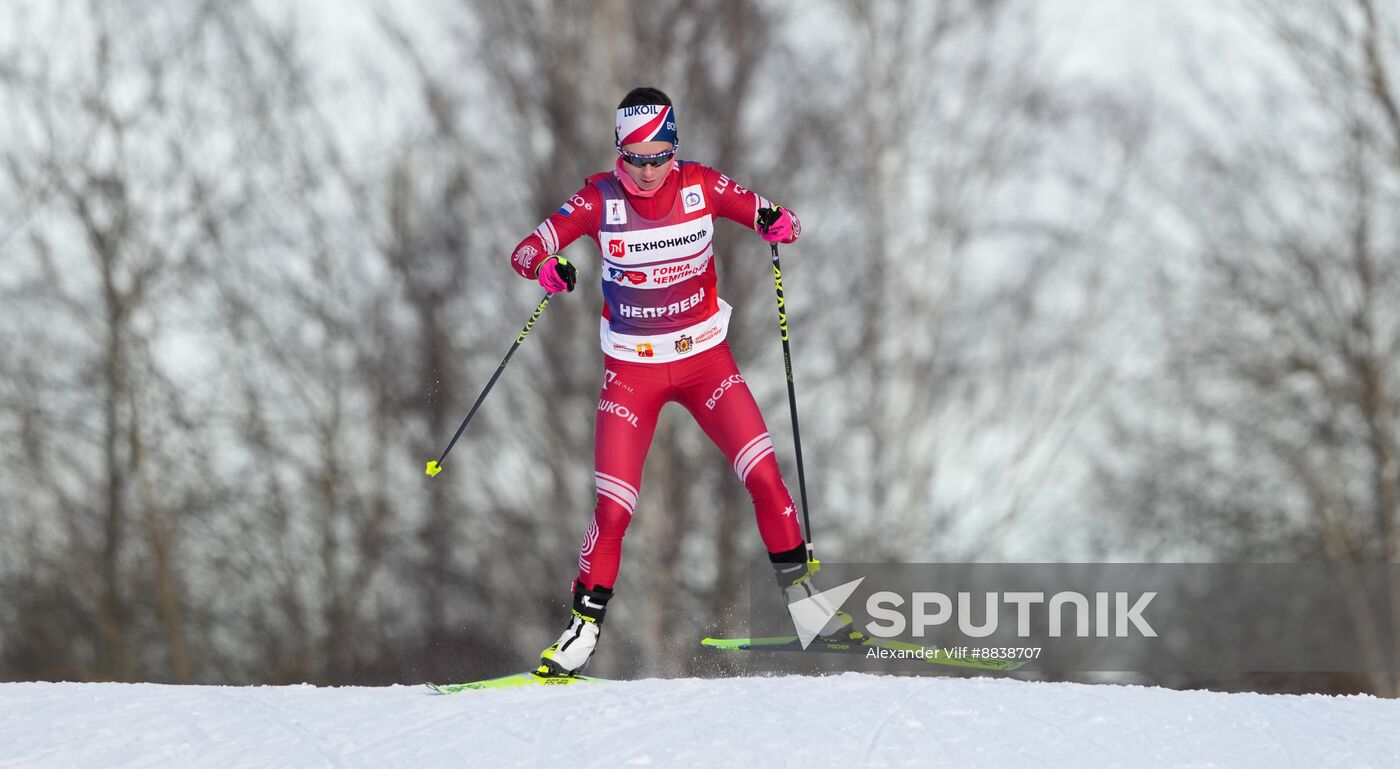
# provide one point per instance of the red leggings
(710, 387)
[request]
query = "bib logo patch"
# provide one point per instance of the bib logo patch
(617, 212)
(635, 277)
(692, 198)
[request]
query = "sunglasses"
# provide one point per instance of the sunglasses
(659, 158)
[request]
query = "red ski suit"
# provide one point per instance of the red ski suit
(662, 332)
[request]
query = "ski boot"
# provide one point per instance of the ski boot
(794, 573)
(569, 655)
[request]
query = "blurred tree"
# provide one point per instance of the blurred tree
(960, 259)
(1266, 428)
(102, 140)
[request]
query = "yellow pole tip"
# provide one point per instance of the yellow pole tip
(434, 468)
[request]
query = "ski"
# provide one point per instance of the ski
(930, 654)
(515, 681)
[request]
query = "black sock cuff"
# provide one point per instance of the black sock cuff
(592, 603)
(796, 555)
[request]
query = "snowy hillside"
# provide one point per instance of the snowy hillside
(850, 720)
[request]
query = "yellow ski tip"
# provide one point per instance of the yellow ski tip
(434, 468)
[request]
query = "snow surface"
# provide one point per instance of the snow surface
(850, 720)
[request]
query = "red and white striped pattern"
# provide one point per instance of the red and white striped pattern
(590, 541)
(617, 490)
(549, 235)
(753, 452)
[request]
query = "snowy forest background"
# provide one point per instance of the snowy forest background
(1078, 281)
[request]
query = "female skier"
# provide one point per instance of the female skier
(663, 335)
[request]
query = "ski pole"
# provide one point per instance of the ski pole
(792, 407)
(435, 467)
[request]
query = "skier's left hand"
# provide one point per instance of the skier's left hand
(776, 224)
(556, 275)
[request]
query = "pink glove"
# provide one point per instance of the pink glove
(776, 224)
(556, 275)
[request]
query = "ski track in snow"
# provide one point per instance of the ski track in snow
(850, 720)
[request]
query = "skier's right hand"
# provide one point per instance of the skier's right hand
(556, 275)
